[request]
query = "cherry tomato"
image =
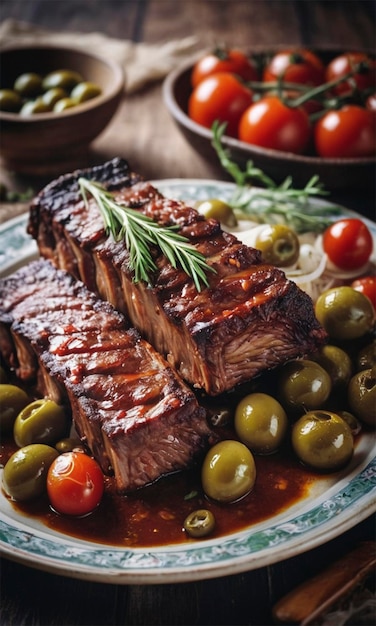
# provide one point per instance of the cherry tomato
(219, 97)
(295, 66)
(367, 286)
(271, 124)
(223, 60)
(347, 133)
(348, 243)
(75, 484)
(365, 71)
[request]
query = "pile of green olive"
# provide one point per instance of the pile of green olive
(319, 405)
(40, 428)
(58, 91)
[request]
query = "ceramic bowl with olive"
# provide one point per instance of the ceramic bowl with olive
(54, 101)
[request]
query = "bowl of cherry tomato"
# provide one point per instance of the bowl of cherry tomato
(291, 112)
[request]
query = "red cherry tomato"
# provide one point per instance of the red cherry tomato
(295, 66)
(219, 97)
(75, 484)
(361, 63)
(346, 133)
(367, 286)
(223, 60)
(271, 124)
(348, 243)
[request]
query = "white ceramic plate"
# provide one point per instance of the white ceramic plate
(332, 507)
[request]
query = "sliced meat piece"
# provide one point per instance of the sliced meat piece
(128, 405)
(250, 318)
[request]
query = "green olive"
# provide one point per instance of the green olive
(53, 95)
(42, 421)
(218, 210)
(25, 474)
(68, 444)
(345, 313)
(199, 523)
(12, 400)
(64, 104)
(322, 440)
(366, 357)
(33, 107)
(337, 363)
(362, 395)
(228, 472)
(260, 423)
(66, 79)
(10, 101)
(85, 91)
(28, 85)
(279, 245)
(303, 384)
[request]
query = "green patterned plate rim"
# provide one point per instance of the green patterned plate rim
(337, 506)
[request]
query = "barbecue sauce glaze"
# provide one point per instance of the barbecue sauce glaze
(154, 515)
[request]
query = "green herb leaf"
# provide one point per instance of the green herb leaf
(272, 202)
(139, 232)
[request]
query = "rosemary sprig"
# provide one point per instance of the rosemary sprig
(272, 202)
(139, 232)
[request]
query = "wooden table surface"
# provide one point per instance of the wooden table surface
(144, 133)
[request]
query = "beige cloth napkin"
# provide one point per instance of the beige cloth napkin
(142, 63)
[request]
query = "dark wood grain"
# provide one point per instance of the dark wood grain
(144, 133)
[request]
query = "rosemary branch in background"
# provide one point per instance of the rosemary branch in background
(139, 232)
(272, 202)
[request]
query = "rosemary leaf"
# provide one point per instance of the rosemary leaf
(274, 203)
(139, 232)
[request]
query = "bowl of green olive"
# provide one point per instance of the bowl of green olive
(54, 101)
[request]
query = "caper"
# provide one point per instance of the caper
(41, 421)
(25, 473)
(10, 101)
(12, 400)
(53, 95)
(218, 210)
(362, 395)
(366, 357)
(33, 107)
(345, 313)
(279, 245)
(228, 472)
(85, 91)
(64, 104)
(64, 78)
(28, 85)
(322, 440)
(303, 384)
(199, 523)
(337, 363)
(260, 423)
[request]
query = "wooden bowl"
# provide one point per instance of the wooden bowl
(334, 173)
(49, 143)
